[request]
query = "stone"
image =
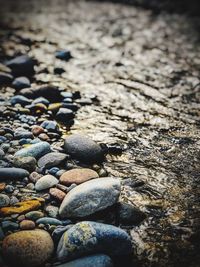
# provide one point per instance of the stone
(60, 230)
(44, 137)
(90, 197)
(27, 225)
(63, 55)
(57, 194)
(4, 200)
(52, 211)
(13, 173)
(36, 150)
(129, 215)
(5, 78)
(27, 163)
(28, 248)
(34, 215)
(90, 237)
(9, 188)
(21, 82)
(21, 207)
(51, 126)
(2, 186)
(21, 65)
(51, 160)
(36, 130)
(64, 115)
(21, 133)
(20, 99)
(34, 177)
(46, 182)
(9, 226)
(77, 176)
(97, 260)
(83, 148)
(49, 220)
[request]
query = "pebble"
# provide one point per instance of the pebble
(57, 194)
(53, 171)
(60, 230)
(51, 160)
(9, 188)
(46, 182)
(83, 148)
(21, 82)
(5, 78)
(63, 55)
(2, 154)
(27, 163)
(48, 220)
(50, 125)
(90, 237)
(4, 200)
(21, 133)
(34, 215)
(64, 115)
(27, 225)
(28, 248)
(37, 150)
(20, 99)
(36, 130)
(77, 176)
(9, 226)
(90, 197)
(2, 186)
(13, 173)
(52, 211)
(34, 177)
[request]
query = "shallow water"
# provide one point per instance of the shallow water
(144, 71)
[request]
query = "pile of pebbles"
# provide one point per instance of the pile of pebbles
(58, 205)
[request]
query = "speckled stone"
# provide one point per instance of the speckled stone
(46, 182)
(51, 160)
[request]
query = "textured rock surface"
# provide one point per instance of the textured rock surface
(77, 176)
(28, 248)
(51, 159)
(90, 197)
(37, 150)
(46, 182)
(90, 237)
(83, 148)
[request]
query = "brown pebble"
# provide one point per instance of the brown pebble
(44, 137)
(21, 218)
(57, 193)
(27, 225)
(34, 177)
(2, 186)
(36, 130)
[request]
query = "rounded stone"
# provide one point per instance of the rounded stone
(90, 197)
(77, 176)
(28, 248)
(90, 237)
(4, 200)
(97, 260)
(46, 182)
(83, 148)
(27, 163)
(34, 215)
(36, 130)
(13, 173)
(51, 160)
(37, 150)
(21, 82)
(27, 225)
(49, 220)
(57, 194)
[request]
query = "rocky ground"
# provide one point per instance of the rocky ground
(99, 138)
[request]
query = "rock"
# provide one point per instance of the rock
(46, 182)
(58, 70)
(21, 133)
(90, 237)
(41, 100)
(2, 154)
(63, 55)
(129, 215)
(64, 115)
(27, 225)
(5, 78)
(13, 173)
(83, 149)
(36, 130)
(48, 220)
(52, 211)
(34, 177)
(51, 126)
(9, 188)
(27, 163)
(90, 197)
(28, 248)
(9, 226)
(21, 207)
(34, 215)
(51, 160)
(97, 260)
(20, 99)
(77, 176)
(44, 137)
(2, 186)
(37, 150)
(21, 82)
(57, 194)
(21, 65)
(60, 230)
(4, 200)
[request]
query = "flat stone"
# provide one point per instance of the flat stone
(13, 173)
(46, 182)
(28, 248)
(21, 207)
(49, 220)
(90, 197)
(21, 65)
(83, 148)
(43, 91)
(90, 237)
(51, 160)
(77, 176)
(27, 163)
(4, 200)
(37, 150)
(97, 260)
(20, 99)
